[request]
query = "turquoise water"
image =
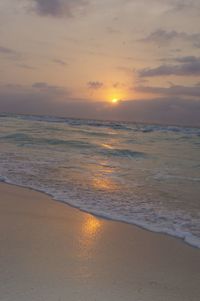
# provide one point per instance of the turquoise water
(148, 175)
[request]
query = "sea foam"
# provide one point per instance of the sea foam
(147, 175)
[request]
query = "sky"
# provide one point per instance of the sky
(132, 60)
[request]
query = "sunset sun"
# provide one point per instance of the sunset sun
(115, 100)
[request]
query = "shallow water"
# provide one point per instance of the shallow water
(147, 175)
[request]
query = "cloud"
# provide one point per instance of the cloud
(174, 90)
(59, 62)
(57, 8)
(189, 66)
(95, 85)
(45, 88)
(160, 36)
(163, 37)
(40, 85)
(25, 66)
(188, 59)
(5, 50)
(111, 30)
(118, 85)
(10, 53)
(165, 110)
(32, 100)
(185, 5)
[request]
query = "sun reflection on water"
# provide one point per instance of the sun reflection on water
(107, 146)
(103, 176)
(101, 183)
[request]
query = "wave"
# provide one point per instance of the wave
(135, 127)
(121, 171)
(122, 153)
(26, 140)
(16, 137)
(186, 236)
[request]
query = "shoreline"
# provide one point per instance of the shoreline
(52, 251)
(104, 217)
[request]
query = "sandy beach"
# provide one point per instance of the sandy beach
(50, 251)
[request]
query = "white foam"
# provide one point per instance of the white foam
(114, 187)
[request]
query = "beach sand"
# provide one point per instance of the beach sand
(53, 252)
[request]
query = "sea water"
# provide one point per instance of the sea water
(148, 175)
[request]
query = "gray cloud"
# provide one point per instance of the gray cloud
(59, 62)
(58, 8)
(188, 59)
(5, 50)
(112, 30)
(95, 85)
(118, 85)
(163, 37)
(174, 90)
(10, 53)
(165, 110)
(160, 36)
(25, 66)
(53, 90)
(189, 66)
(185, 5)
(169, 110)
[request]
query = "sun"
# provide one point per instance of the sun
(115, 100)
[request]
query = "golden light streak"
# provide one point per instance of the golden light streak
(91, 226)
(106, 146)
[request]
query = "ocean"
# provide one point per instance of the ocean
(147, 175)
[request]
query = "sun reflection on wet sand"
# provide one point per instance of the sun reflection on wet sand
(91, 227)
(90, 233)
(89, 242)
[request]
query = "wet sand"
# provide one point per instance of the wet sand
(50, 251)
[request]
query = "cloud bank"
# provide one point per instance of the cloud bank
(163, 37)
(188, 66)
(174, 90)
(57, 8)
(39, 99)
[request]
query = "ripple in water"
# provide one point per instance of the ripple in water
(146, 175)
